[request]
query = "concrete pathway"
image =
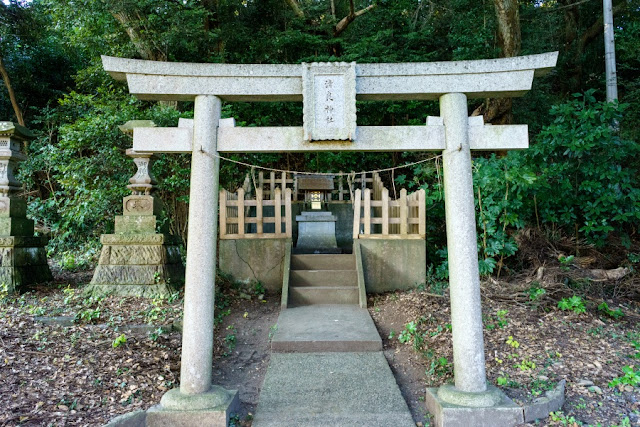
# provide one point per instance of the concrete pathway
(327, 369)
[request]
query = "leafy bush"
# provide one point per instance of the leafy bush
(575, 304)
(78, 170)
(587, 174)
(631, 377)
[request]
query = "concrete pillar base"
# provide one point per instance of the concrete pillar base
(500, 411)
(211, 409)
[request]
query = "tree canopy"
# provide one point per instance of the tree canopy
(54, 83)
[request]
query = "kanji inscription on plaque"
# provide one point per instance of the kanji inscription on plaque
(329, 97)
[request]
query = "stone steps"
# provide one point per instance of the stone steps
(323, 262)
(323, 279)
(327, 278)
(309, 295)
(325, 328)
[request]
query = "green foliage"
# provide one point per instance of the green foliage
(512, 342)
(498, 320)
(615, 314)
(587, 174)
(631, 377)
(536, 292)
(564, 420)
(574, 303)
(579, 173)
(408, 333)
(526, 365)
(121, 339)
(83, 148)
(439, 367)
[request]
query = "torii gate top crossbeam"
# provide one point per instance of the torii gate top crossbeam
(504, 77)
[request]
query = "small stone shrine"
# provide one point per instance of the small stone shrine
(23, 258)
(141, 258)
(316, 227)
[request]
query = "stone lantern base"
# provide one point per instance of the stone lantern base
(137, 260)
(23, 262)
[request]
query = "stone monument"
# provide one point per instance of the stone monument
(141, 258)
(23, 258)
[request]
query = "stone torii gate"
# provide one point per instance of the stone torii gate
(328, 92)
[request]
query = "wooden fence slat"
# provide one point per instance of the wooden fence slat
(340, 187)
(295, 188)
(385, 211)
(356, 214)
(283, 181)
(403, 212)
(422, 214)
(259, 211)
(272, 184)
(223, 212)
(287, 213)
(367, 211)
(240, 211)
(278, 212)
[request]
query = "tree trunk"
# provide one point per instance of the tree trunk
(498, 110)
(12, 96)
(145, 48)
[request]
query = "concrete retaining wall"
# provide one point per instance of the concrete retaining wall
(393, 264)
(248, 260)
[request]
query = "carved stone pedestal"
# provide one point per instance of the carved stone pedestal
(23, 258)
(141, 258)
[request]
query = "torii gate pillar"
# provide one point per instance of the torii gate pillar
(462, 249)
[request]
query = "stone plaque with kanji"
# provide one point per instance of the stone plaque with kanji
(329, 98)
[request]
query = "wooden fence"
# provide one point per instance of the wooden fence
(236, 215)
(269, 181)
(384, 218)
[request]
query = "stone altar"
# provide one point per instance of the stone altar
(316, 227)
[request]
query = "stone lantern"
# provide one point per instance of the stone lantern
(23, 255)
(141, 258)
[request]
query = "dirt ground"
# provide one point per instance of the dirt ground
(102, 357)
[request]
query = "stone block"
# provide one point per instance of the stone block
(138, 224)
(254, 260)
(552, 401)
(503, 414)
(132, 255)
(144, 291)
(13, 207)
(138, 205)
(16, 226)
(144, 265)
(316, 232)
(187, 416)
(21, 266)
(131, 419)
(133, 275)
(391, 264)
(137, 239)
(23, 241)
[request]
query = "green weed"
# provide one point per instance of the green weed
(575, 304)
